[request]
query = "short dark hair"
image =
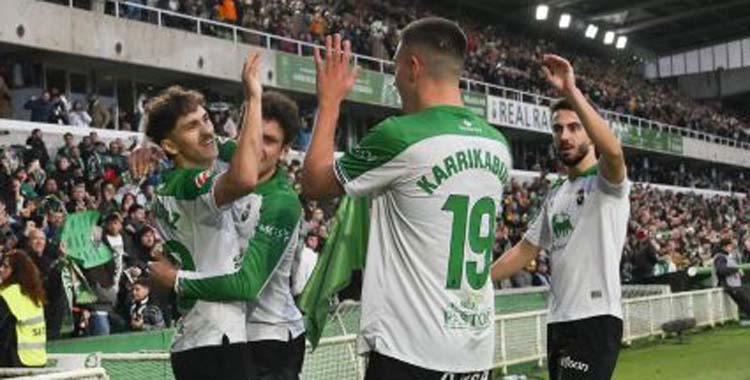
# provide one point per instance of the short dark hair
(281, 108)
(561, 104)
(135, 208)
(112, 217)
(163, 111)
(441, 37)
(144, 282)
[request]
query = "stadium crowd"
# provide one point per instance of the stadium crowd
(497, 54)
(667, 231)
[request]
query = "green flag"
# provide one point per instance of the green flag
(344, 252)
(77, 234)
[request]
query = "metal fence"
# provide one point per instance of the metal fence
(238, 34)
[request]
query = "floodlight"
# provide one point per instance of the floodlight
(591, 31)
(542, 12)
(609, 38)
(564, 21)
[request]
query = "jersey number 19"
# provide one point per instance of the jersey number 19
(471, 218)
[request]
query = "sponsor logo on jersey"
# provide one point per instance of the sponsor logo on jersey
(568, 362)
(364, 154)
(274, 232)
(468, 314)
(202, 178)
(561, 225)
(467, 125)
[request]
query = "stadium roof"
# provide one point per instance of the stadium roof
(661, 26)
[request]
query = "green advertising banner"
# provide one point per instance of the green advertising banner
(647, 138)
(297, 73)
(77, 234)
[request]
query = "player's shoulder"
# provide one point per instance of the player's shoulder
(279, 196)
(437, 121)
(186, 183)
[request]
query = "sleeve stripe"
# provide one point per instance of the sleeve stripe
(340, 173)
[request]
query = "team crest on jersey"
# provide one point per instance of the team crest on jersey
(561, 225)
(202, 178)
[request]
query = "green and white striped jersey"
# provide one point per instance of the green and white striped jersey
(436, 178)
(203, 237)
(582, 225)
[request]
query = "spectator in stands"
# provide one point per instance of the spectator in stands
(6, 101)
(729, 276)
(112, 235)
(55, 221)
(41, 108)
(22, 339)
(107, 203)
(144, 243)
(144, 314)
(646, 256)
(304, 136)
(38, 150)
(78, 116)
(69, 143)
(304, 263)
(64, 175)
(78, 200)
(100, 115)
(136, 219)
(103, 281)
(46, 260)
(60, 107)
(226, 11)
(541, 275)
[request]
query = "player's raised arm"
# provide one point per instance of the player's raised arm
(335, 78)
(559, 73)
(242, 175)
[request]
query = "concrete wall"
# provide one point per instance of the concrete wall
(81, 32)
(716, 83)
(715, 153)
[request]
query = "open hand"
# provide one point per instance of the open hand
(251, 76)
(559, 73)
(335, 76)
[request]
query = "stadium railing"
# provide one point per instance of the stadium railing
(267, 40)
(520, 337)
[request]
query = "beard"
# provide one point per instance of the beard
(573, 160)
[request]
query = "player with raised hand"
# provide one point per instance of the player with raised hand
(193, 209)
(582, 226)
(435, 176)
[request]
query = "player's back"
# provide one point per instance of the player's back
(437, 179)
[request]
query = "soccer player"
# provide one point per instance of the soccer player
(436, 177)
(268, 226)
(194, 213)
(582, 226)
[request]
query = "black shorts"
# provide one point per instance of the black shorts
(381, 367)
(276, 360)
(224, 362)
(584, 349)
